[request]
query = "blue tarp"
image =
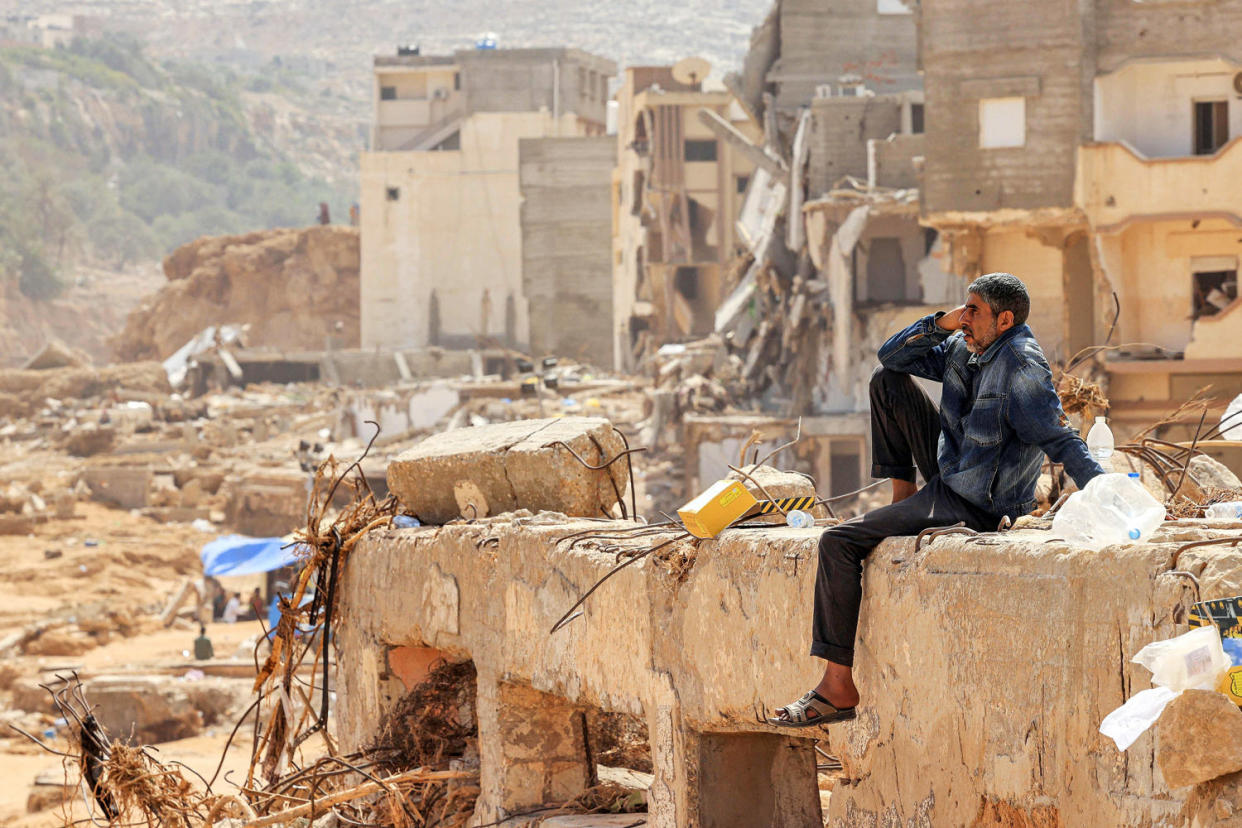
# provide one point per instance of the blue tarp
(240, 555)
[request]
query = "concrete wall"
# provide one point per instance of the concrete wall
(985, 664)
(1149, 105)
(1040, 267)
(518, 80)
(840, 128)
(1150, 265)
(453, 231)
(821, 40)
(974, 50)
(566, 242)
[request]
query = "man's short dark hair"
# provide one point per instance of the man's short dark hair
(1003, 292)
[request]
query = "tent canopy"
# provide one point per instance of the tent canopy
(240, 555)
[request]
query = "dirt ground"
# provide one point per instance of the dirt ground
(132, 565)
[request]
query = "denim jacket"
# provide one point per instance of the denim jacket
(999, 413)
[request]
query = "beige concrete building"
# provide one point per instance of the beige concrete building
(678, 194)
(1091, 151)
(440, 190)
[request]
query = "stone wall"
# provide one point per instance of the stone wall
(986, 665)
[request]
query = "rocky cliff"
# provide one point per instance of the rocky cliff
(293, 286)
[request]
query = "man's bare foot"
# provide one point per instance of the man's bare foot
(903, 489)
(837, 686)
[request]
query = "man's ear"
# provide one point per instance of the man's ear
(1005, 321)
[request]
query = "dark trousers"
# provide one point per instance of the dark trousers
(905, 428)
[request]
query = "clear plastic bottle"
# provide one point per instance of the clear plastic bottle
(1232, 420)
(799, 519)
(1228, 511)
(1112, 509)
(1100, 443)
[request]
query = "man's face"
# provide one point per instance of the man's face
(978, 324)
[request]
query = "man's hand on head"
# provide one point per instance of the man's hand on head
(952, 320)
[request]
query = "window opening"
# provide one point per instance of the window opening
(1214, 291)
(700, 150)
(1211, 126)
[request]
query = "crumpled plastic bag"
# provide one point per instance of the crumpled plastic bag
(1131, 720)
(1194, 660)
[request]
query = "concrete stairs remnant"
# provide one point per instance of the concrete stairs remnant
(986, 665)
(486, 470)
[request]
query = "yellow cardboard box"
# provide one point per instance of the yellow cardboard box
(711, 512)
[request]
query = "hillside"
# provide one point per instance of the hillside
(113, 159)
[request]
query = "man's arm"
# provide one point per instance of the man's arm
(919, 349)
(1037, 418)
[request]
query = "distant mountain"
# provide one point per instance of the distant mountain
(332, 41)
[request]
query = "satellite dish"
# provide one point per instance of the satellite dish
(691, 71)
(1237, 83)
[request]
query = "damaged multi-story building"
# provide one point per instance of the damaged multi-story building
(678, 193)
(1091, 150)
(441, 192)
(832, 257)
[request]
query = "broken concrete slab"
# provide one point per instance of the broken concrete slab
(125, 486)
(486, 470)
(1199, 737)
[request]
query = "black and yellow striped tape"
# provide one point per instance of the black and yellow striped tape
(785, 504)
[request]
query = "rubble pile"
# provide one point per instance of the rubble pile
(295, 287)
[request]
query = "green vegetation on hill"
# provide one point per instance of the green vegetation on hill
(111, 158)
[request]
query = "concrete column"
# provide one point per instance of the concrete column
(757, 779)
(532, 747)
(729, 780)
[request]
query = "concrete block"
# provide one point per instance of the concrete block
(1199, 737)
(511, 466)
(127, 487)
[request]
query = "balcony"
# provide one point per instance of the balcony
(1115, 184)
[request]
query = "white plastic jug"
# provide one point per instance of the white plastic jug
(1232, 420)
(1229, 511)
(1112, 509)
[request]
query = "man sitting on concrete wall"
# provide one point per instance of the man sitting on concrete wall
(980, 454)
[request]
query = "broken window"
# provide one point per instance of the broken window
(686, 281)
(916, 119)
(700, 150)
(1213, 291)
(388, 93)
(392, 193)
(1002, 122)
(1211, 126)
(742, 182)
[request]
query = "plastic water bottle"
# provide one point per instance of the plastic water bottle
(405, 522)
(799, 519)
(1232, 420)
(1100, 443)
(1112, 509)
(1228, 511)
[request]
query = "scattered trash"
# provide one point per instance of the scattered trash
(799, 519)
(405, 522)
(1194, 660)
(1112, 509)
(1230, 510)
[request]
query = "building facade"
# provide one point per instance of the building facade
(1090, 148)
(440, 190)
(678, 193)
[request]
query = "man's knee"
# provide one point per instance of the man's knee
(885, 381)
